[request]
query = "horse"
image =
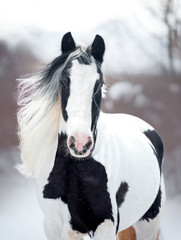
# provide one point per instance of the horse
(98, 174)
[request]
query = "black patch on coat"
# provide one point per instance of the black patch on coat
(121, 193)
(64, 99)
(96, 102)
(120, 197)
(154, 210)
(118, 221)
(156, 141)
(65, 83)
(82, 185)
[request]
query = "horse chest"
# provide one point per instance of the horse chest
(82, 185)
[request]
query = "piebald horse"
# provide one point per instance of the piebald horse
(98, 174)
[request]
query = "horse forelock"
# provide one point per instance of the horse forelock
(41, 89)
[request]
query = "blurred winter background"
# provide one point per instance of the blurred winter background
(143, 73)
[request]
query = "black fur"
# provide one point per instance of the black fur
(64, 98)
(155, 139)
(96, 102)
(68, 44)
(84, 58)
(54, 66)
(118, 221)
(98, 48)
(82, 185)
(121, 193)
(158, 150)
(65, 83)
(120, 197)
(153, 211)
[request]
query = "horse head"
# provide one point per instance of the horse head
(81, 92)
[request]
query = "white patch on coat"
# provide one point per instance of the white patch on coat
(105, 230)
(127, 156)
(82, 81)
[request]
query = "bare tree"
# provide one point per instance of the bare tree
(172, 20)
(170, 15)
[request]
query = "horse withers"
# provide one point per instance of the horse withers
(98, 174)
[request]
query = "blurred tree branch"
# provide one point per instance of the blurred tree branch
(170, 15)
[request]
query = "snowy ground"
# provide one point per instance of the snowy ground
(21, 218)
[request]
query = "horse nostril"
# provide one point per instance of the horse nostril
(87, 145)
(84, 150)
(72, 142)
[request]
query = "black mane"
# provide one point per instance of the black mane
(82, 57)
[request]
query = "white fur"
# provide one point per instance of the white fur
(82, 78)
(150, 230)
(126, 154)
(121, 147)
(82, 82)
(38, 142)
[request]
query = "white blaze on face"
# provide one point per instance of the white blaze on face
(82, 81)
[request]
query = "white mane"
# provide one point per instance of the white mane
(39, 119)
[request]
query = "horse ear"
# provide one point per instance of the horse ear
(68, 43)
(98, 48)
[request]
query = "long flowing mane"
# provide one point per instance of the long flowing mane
(39, 113)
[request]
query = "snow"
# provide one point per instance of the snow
(21, 217)
(172, 219)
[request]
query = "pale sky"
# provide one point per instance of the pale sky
(133, 34)
(59, 15)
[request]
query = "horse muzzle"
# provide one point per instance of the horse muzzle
(80, 145)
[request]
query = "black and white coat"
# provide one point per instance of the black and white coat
(97, 173)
